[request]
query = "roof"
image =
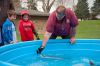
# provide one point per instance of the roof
(32, 12)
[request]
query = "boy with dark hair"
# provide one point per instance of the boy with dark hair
(8, 29)
(5, 5)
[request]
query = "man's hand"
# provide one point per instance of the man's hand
(45, 39)
(40, 50)
(72, 40)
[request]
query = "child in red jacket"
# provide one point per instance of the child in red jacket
(26, 27)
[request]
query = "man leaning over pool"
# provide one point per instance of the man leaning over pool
(62, 22)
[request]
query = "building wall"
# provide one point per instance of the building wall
(40, 22)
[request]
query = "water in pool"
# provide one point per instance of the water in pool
(57, 58)
(56, 53)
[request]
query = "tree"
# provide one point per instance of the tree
(47, 4)
(63, 2)
(66, 3)
(5, 5)
(16, 3)
(96, 8)
(82, 9)
(32, 4)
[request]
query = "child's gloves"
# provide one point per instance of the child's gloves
(72, 40)
(40, 50)
(38, 38)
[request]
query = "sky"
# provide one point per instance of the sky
(39, 4)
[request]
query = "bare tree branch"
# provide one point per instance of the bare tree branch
(32, 4)
(16, 3)
(44, 5)
(48, 2)
(52, 3)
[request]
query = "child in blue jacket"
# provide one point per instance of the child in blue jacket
(8, 29)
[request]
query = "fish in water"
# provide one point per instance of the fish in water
(51, 57)
(91, 63)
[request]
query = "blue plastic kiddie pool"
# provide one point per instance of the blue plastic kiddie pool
(86, 52)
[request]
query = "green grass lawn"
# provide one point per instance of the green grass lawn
(88, 29)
